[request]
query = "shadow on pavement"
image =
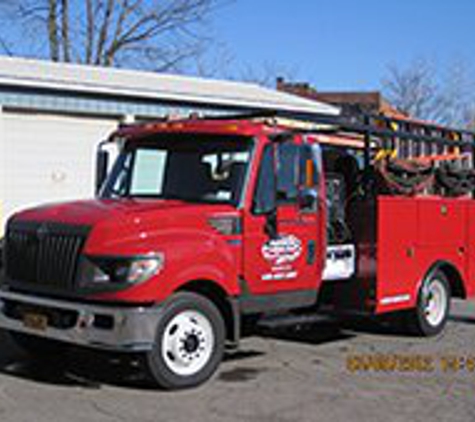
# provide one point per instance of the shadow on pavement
(91, 369)
(78, 368)
(240, 374)
(241, 355)
(339, 328)
(385, 326)
(315, 334)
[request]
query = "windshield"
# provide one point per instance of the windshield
(194, 168)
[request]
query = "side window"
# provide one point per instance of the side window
(264, 196)
(286, 169)
(288, 172)
(296, 170)
(309, 172)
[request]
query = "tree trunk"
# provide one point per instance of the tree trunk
(89, 32)
(66, 42)
(53, 30)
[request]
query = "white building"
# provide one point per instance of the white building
(52, 116)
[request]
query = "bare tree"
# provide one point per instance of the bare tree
(215, 61)
(422, 91)
(414, 91)
(153, 34)
(458, 90)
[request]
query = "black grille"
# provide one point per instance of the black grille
(45, 255)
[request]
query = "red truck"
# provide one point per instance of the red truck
(202, 224)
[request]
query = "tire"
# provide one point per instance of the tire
(433, 306)
(189, 342)
(39, 348)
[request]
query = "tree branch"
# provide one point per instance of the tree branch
(104, 31)
(107, 32)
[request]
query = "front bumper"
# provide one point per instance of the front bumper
(128, 329)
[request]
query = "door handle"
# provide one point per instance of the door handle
(311, 252)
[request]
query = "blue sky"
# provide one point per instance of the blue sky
(347, 44)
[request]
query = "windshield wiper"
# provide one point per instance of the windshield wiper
(192, 200)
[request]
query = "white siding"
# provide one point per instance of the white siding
(47, 158)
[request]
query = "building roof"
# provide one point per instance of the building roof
(28, 74)
(356, 101)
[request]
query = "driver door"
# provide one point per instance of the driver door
(284, 246)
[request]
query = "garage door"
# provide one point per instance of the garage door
(48, 158)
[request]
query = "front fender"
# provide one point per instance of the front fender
(189, 256)
(224, 277)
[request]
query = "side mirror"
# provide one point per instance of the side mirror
(102, 166)
(308, 199)
(271, 226)
(266, 203)
(268, 206)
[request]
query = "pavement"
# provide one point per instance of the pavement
(350, 371)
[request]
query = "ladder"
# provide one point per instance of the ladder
(405, 138)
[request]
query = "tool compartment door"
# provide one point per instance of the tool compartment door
(414, 234)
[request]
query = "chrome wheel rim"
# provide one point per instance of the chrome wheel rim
(188, 343)
(435, 299)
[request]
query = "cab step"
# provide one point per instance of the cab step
(282, 321)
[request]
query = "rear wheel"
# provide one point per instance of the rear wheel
(433, 306)
(189, 342)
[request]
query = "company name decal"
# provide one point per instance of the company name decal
(284, 250)
(281, 253)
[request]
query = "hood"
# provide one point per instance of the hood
(125, 226)
(92, 212)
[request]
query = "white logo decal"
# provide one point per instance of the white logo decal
(284, 250)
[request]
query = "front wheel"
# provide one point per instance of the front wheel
(189, 343)
(433, 306)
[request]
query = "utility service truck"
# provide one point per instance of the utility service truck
(205, 223)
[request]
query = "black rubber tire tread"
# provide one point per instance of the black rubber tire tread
(404, 177)
(455, 182)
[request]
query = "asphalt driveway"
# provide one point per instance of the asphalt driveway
(322, 372)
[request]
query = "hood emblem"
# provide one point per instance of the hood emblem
(42, 232)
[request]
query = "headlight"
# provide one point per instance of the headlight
(126, 270)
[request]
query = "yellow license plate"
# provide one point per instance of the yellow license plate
(35, 321)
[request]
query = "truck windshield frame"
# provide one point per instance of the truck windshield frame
(196, 168)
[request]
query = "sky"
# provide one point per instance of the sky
(346, 44)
